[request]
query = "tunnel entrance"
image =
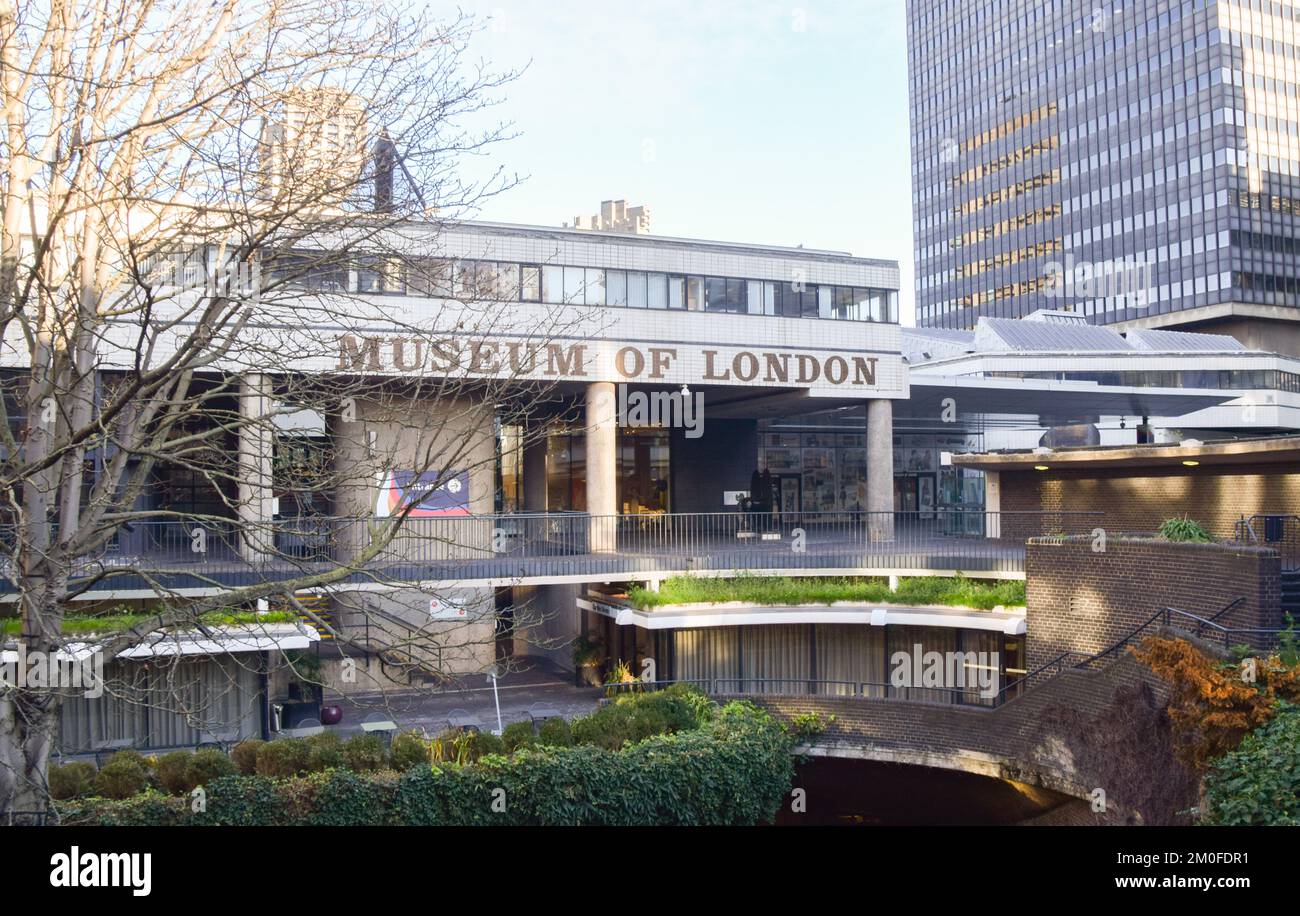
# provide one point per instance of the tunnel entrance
(871, 793)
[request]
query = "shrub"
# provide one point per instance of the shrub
(735, 769)
(1258, 784)
(122, 777)
(517, 735)
(364, 753)
(134, 757)
(283, 757)
(243, 801)
(346, 799)
(151, 809)
(1184, 529)
(244, 755)
(71, 780)
(555, 733)
(483, 743)
(635, 717)
(172, 775)
(410, 749)
(205, 766)
(324, 752)
(1210, 708)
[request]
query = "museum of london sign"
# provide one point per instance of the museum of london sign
(614, 362)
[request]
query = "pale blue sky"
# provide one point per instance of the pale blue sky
(744, 121)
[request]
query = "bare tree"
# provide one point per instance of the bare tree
(187, 187)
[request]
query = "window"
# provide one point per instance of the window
(575, 278)
(464, 283)
(676, 292)
(808, 301)
(694, 294)
(735, 295)
(824, 302)
(378, 275)
(429, 277)
(530, 283)
(552, 284)
(636, 293)
(657, 292)
(615, 287)
(845, 307)
(507, 285)
(715, 294)
(594, 286)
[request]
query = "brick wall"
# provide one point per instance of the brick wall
(1015, 733)
(1138, 500)
(1081, 600)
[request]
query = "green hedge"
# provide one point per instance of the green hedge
(735, 769)
(1258, 784)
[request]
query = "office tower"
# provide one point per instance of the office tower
(1136, 162)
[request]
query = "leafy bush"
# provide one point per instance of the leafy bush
(131, 755)
(244, 755)
(71, 780)
(409, 749)
(734, 769)
(283, 757)
(122, 777)
(243, 801)
(1210, 708)
(171, 769)
(346, 799)
(517, 735)
(324, 752)
(205, 766)
(364, 753)
(150, 809)
(1258, 784)
(637, 716)
(555, 732)
(1184, 529)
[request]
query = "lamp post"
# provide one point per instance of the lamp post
(492, 675)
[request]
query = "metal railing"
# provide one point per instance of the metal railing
(1279, 531)
(534, 543)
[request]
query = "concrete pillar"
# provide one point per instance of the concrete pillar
(256, 507)
(880, 469)
(993, 504)
(534, 471)
(602, 466)
(353, 479)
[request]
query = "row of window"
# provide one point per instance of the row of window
(509, 282)
(1221, 379)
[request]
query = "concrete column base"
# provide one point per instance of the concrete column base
(602, 467)
(880, 469)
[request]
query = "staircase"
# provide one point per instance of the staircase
(318, 605)
(1291, 593)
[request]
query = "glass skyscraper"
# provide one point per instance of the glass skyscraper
(1136, 161)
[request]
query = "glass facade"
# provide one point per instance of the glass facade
(1056, 142)
(563, 284)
